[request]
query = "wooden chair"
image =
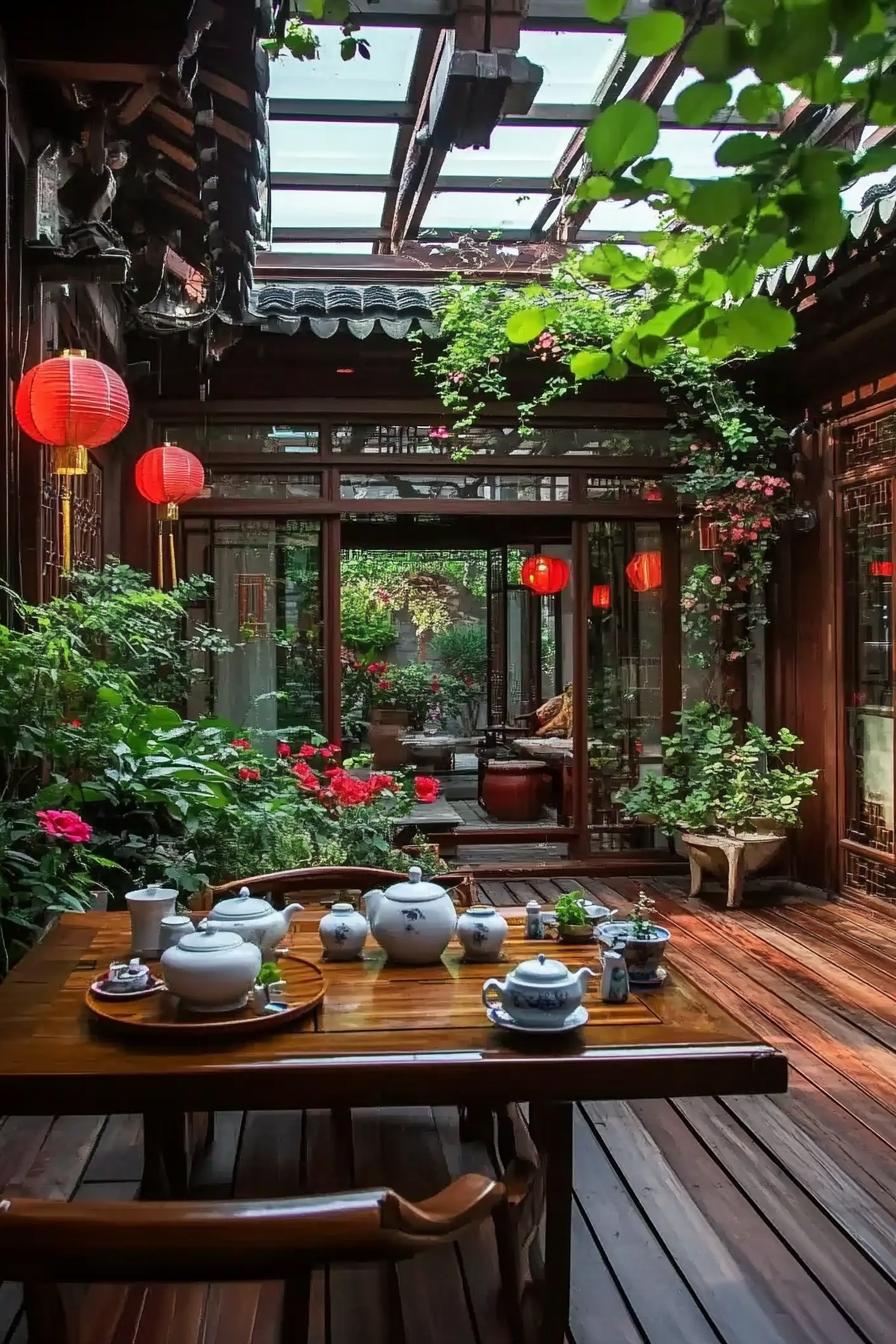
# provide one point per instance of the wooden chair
(294, 881)
(45, 1243)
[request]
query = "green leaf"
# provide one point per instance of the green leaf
(877, 159)
(161, 716)
(699, 102)
(718, 202)
(744, 149)
(616, 369)
(604, 11)
(654, 33)
(827, 84)
(654, 173)
(850, 16)
(622, 133)
(718, 52)
(759, 102)
(527, 325)
(760, 324)
(589, 363)
(595, 188)
(794, 43)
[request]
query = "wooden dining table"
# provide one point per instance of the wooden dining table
(383, 1035)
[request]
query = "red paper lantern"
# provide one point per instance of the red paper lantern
(544, 574)
(600, 596)
(645, 571)
(168, 476)
(73, 403)
(880, 569)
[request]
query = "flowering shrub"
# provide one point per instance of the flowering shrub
(68, 825)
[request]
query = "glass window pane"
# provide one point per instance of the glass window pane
(261, 485)
(387, 440)
(567, 441)
(693, 152)
(331, 146)
(481, 210)
(453, 486)
(315, 209)
(385, 76)
(317, 248)
(214, 439)
(868, 663)
(574, 63)
(515, 151)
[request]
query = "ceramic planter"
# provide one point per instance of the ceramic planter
(575, 933)
(513, 790)
(642, 955)
(731, 859)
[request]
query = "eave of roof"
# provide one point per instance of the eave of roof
(358, 309)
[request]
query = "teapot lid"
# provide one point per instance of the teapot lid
(541, 970)
(415, 889)
(242, 906)
(209, 940)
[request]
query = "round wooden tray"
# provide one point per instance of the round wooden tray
(161, 1014)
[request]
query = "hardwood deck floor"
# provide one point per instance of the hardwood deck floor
(753, 1220)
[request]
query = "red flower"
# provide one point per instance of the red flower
(73, 723)
(426, 788)
(283, 749)
(379, 782)
(306, 777)
(66, 825)
(435, 685)
(242, 742)
(305, 750)
(334, 749)
(248, 775)
(326, 753)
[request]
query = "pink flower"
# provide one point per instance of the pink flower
(768, 491)
(66, 825)
(741, 484)
(248, 775)
(426, 788)
(326, 753)
(440, 432)
(283, 749)
(456, 377)
(733, 655)
(305, 750)
(716, 580)
(384, 684)
(715, 616)
(242, 742)
(765, 522)
(755, 485)
(73, 723)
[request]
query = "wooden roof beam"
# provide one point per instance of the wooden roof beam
(651, 88)
(518, 186)
(397, 205)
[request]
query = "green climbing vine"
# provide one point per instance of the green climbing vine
(725, 446)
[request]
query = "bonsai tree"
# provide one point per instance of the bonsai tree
(719, 780)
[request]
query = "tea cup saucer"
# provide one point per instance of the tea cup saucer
(500, 1018)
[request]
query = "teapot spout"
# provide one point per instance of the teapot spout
(290, 912)
(372, 902)
(583, 974)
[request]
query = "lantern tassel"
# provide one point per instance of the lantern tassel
(173, 555)
(65, 496)
(160, 556)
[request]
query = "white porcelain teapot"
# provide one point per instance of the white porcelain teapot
(254, 919)
(211, 972)
(412, 921)
(539, 993)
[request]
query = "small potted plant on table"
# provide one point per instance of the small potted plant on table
(731, 796)
(645, 942)
(573, 921)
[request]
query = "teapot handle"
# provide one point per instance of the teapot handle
(498, 987)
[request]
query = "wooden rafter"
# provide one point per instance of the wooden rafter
(514, 186)
(651, 88)
(409, 159)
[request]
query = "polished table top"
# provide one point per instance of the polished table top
(384, 1035)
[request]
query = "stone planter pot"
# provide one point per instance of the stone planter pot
(642, 955)
(387, 726)
(731, 859)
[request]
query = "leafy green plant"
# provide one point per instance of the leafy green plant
(719, 779)
(570, 908)
(367, 621)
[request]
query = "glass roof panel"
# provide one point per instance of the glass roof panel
(574, 63)
(322, 248)
(693, 152)
(481, 210)
(312, 209)
(335, 146)
(385, 76)
(515, 151)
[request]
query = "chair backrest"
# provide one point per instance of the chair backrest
(297, 880)
(51, 1241)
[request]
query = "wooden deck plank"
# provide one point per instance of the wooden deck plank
(646, 1285)
(738, 1313)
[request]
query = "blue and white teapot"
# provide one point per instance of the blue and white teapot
(413, 921)
(539, 993)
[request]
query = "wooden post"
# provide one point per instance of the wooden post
(581, 568)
